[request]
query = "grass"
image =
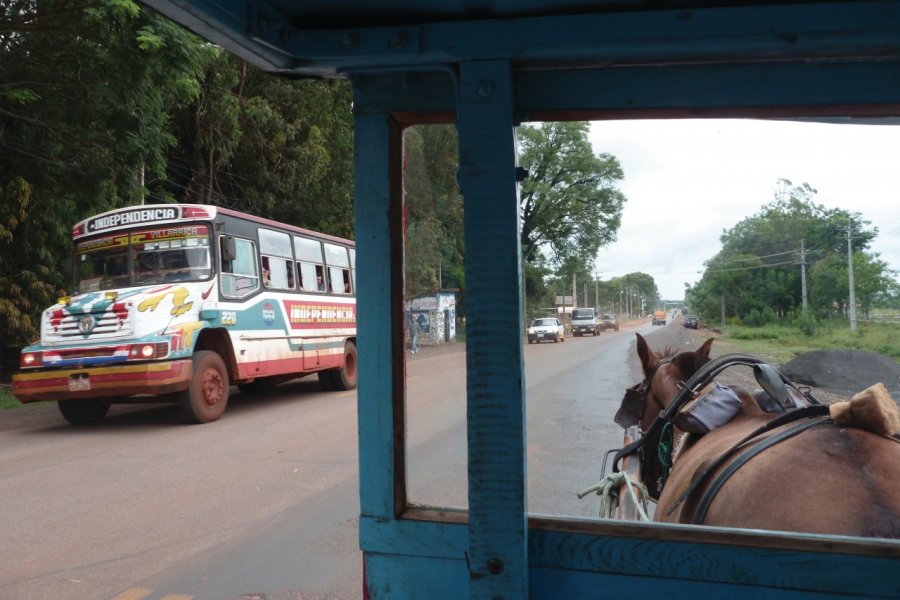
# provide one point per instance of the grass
(6, 398)
(782, 343)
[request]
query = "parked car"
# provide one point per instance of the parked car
(691, 321)
(545, 330)
(609, 322)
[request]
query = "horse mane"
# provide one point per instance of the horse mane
(688, 362)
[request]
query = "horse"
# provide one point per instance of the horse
(795, 470)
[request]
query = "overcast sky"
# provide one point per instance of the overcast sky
(688, 180)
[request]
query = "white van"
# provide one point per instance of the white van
(584, 320)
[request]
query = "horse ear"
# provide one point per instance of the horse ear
(706, 347)
(647, 356)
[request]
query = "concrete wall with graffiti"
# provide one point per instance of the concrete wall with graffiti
(434, 316)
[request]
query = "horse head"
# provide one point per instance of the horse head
(645, 401)
(662, 373)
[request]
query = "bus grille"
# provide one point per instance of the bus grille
(106, 325)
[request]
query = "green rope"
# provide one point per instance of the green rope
(666, 441)
(608, 490)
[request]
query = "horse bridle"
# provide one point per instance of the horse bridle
(686, 391)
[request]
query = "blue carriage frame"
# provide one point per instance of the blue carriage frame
(488, 66)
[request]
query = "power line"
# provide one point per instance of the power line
(766, 266)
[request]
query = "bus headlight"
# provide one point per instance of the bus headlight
(32, 359)
(147, 351)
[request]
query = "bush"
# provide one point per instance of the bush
(759, 318)
(806, 322)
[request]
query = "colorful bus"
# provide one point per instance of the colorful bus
(176, 302)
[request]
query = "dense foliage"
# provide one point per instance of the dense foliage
(756, 277)
(434, 213)
(570, 208)
(104, 103)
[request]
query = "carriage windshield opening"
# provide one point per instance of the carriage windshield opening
(434, 328)
(143, 258)
(739, 230)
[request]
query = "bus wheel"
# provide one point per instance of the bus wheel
(206, 398)
(83, 412)
(345, 377)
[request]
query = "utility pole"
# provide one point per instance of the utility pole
(722, 268)
(596, 290)
(850, 277)
(803, 273)
(574, 291)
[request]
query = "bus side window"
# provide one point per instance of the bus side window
(338, 268)
(310, 266)
(339, 279)
(277, 258)
(239, 274)
(278, 273)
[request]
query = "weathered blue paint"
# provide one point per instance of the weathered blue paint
(374, 272)
(495, 63)
(494, 362)
(281, 38)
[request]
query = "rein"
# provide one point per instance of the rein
(664, 421)
(816, 414)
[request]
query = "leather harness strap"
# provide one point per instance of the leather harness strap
(816, 410)
(712, 491)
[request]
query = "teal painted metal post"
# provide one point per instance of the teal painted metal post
(498, 556)
(374, 309)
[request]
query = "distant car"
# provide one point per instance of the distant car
(545, 330)
(691, 321)
(584, 320)
(609, 322)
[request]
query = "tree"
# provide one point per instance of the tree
(757, 271)
(274, 147)
(85, 101)
(570, 205)
(104, 103)
(434, 212)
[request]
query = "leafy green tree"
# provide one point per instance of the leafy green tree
(757, 271)
(86, 93)
(434, 212)
(570, 205)
(274, 147)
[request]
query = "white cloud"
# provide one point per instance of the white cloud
(688, 180)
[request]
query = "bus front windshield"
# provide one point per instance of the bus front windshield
(147, 257)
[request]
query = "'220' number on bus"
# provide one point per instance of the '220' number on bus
(229, 317)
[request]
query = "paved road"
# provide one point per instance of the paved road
(263, 503)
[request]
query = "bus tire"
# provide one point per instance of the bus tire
(206, 398)
(345, 377)
(83, 412)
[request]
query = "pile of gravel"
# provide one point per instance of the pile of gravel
(844, 371)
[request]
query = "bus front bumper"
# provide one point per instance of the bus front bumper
(103, 382)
